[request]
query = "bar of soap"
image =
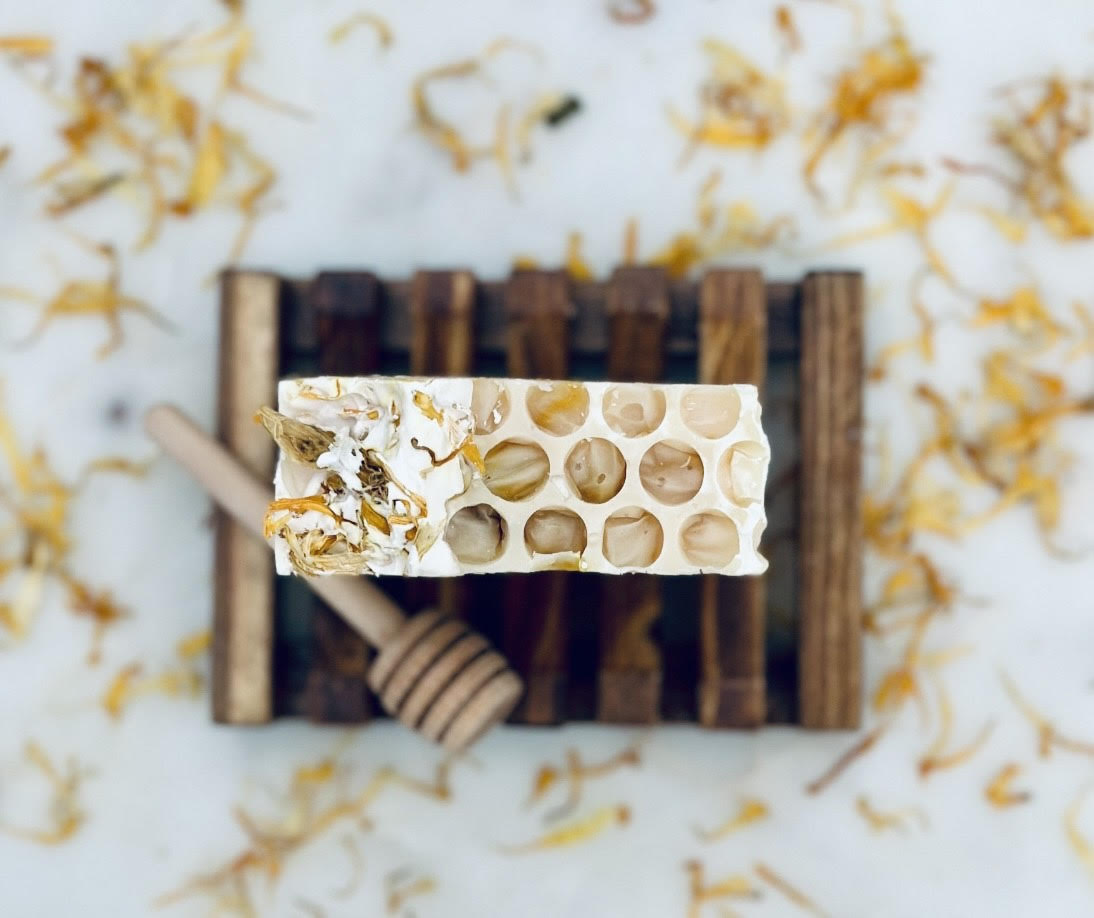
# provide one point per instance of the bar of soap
(447, 476)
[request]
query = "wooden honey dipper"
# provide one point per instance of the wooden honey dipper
(432, 672)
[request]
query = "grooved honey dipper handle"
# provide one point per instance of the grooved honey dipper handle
(366, 608)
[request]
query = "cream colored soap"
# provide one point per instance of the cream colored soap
(439, 477)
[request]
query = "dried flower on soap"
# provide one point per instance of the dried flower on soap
(66, 814)
(576, 832)
(740, 106)
(862, 104)
(700, 892)
(90, 298)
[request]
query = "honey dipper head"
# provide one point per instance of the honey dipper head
(442, 679)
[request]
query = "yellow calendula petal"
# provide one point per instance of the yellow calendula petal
(750, 811)
(576, 832)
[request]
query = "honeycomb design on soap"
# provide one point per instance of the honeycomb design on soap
(520, 475)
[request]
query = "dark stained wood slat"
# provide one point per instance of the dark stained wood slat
(732, 349)
(345, 307)
(441, 307)
(535, 611)
(243, 572)
(589, 333)
(830, 543)
(630, 674)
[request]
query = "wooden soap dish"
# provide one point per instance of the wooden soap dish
(636, 649)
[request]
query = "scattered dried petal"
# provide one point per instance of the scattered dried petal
(1083, 848)
(26, 45)
(576, 832)
(369, 20)
(66, 814)
(792, 893)
(863, 96)
(735, 886)
(880, 821)
(999, 791)
(639, 11)
(860, 748)
(750, 810)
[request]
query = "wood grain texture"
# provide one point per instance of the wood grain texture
(830, 539)
(534, 606)
(732, 349)
(441, 307)
(630, 673)
(590, 327)
(346, 312)
(243, 571)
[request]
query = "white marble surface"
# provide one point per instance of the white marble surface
(360, 187)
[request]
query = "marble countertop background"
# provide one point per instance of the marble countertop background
(359, 186)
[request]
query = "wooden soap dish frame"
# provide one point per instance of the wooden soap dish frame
(634, 649)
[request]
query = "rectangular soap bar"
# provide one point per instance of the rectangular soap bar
(447, 476)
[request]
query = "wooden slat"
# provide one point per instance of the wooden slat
(732, 349)
(243, 565)
(830, 541)
(589, 334)
(442, 314)
(629, 675)
(535, 621)
(346, 308)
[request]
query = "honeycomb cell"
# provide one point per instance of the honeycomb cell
(671, 472)
(516, 469)
(709, 539)
(476, 534)
(632, 538)
(711, 411)
(489, 405)
(595, 469)
(559, 408)
(634, 411)
(742, 470)
(553, 530)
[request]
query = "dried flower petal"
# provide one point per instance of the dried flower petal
(863, 97)
(66, 813)
(750, 810)
(370, 20)
(576, 832)
(792, 893)
(735, 886)
(999, 792)
(303, 442)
